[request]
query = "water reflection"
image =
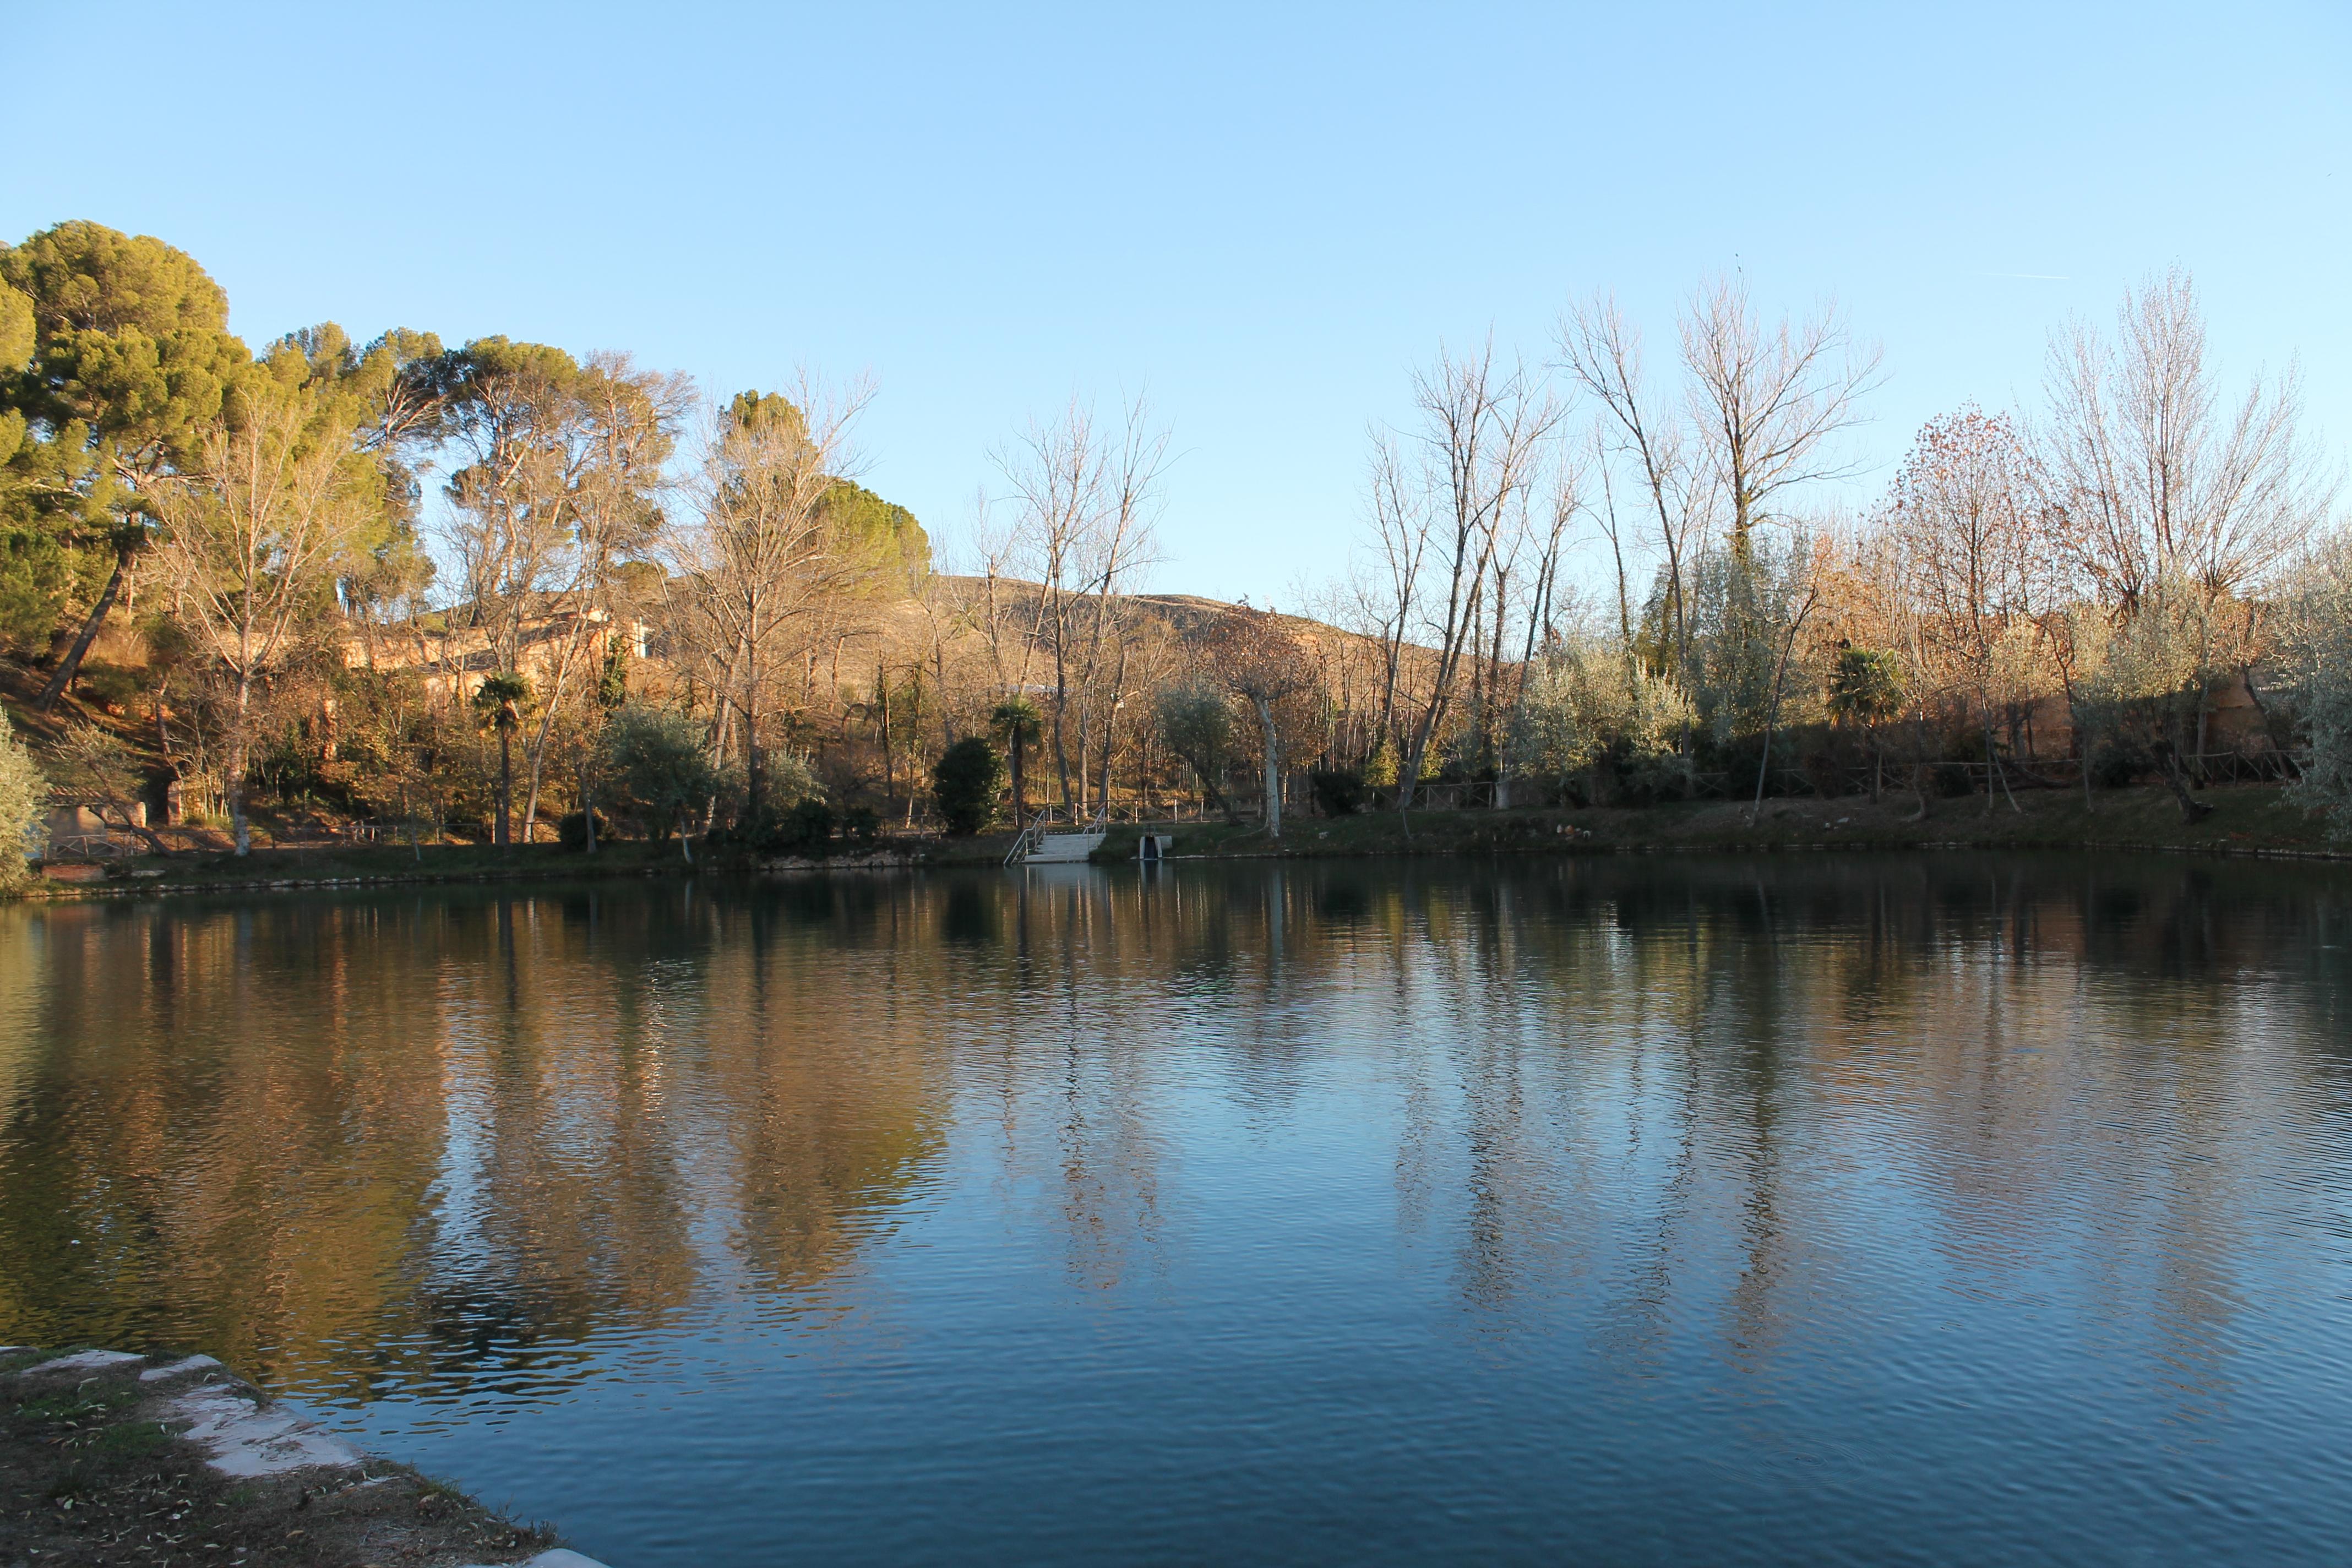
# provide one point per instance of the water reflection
(1751, 1138)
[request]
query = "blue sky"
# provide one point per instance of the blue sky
(1264, 216)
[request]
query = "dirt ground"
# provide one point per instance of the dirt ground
(97, 1468)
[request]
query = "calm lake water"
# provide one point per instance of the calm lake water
(1828, 1209)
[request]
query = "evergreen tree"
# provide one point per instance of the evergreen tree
(129, 361)
(964, 781)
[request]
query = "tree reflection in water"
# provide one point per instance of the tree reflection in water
(470, 1145)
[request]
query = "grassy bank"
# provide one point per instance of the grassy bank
(2245, 818)
(331, 865)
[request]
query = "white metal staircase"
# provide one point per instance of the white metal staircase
(1048, 840)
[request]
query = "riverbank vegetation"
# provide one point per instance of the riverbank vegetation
(2245, 820)
(495, 594)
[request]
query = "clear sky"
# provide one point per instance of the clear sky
(1263, 216)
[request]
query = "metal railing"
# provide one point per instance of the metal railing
(1047, 820)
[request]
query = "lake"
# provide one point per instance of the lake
(1828, 1208)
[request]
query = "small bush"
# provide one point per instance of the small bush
(571, 830)
(803, 829)
(1953, 780)
(2119, 765)
(964, 781)
(108, 686)
(806, 829)
(24, 795)
(1825, 771)
(861, 825)
(1337, 792)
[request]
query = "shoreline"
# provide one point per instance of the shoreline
(114, 1456)
(2247, 822)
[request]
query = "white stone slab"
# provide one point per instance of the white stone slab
(84, 1361)
(180, 1368)
(245, 1439)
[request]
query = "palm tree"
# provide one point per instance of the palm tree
(1016, 722)
(1867, 688)
(499, 702)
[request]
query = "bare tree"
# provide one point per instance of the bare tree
(1119, 545)
(2177, 503)
(1384, 600)
(1262, 663)
(1532, 595)
(1055, 471)
(255, 533)
(1447, 499)
(628, 422)
(1779, 676)
(2158, 476)
(763, 567)
(1967, 511)
(1084, 501)
(1767, 403)
(1603, 353)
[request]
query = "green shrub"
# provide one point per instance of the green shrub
(2119, 764)
(1339, 792)
(861, 825)
(23, 793)
(571, 830)
(2318, 656)
(805, 829)
(1197, 722)
(964, 781)
(108, 686)
(1594, 723)
(655, 762)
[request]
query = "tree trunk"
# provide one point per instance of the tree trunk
(587, 805)
(236, 760)
(1919, 766)
(505, 835)
(1273, 771)
(755, 788)
(1020, 782)
(155, 845)
(2081, 747)
(531, 795)
(1993, 770)
(2191, 809)
(1772, 714)
(882, 696)
(1103, 756)
(68, 666)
